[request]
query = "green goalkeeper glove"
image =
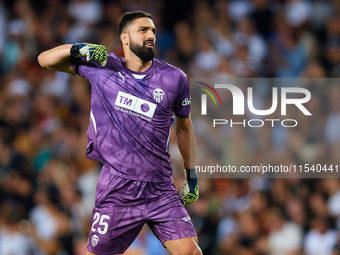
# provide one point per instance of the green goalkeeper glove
(92, 52)
(190, 190)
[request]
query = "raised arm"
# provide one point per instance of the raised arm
(57, 59)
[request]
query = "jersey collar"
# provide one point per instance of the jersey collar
(139, 75)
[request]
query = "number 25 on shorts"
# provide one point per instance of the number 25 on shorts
(103, 225)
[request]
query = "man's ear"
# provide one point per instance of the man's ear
(124, 38)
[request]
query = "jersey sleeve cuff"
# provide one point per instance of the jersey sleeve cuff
(183, 116)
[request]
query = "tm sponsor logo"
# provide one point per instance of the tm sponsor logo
(135, 106)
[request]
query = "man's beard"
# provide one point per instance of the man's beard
(144, 53)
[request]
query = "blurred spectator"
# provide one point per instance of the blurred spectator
(86, 13)
(297, 11)
(263, 18)
(206, 59)
(320, 239)
(332, 134)
(247, 35)
(314, 70)
(238, 9)
(220, 36)
(14, 232)
(184, 49)
(321, 11)
(289, 56)
(284, 237)
(332, 187)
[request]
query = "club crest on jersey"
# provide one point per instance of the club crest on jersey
(158, 95)
(94, 240)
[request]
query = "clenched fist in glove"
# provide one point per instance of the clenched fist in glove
(92, 52)
(190, 190)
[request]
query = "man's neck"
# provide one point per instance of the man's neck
(135, 64)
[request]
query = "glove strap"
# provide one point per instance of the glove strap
(74, 51)
(191, 173)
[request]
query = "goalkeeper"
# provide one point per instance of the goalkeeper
(133, 100)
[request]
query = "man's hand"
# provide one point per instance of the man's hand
(92, 52)
(190, 190)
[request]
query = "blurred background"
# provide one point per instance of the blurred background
(47, 186)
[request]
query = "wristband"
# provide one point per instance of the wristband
(74, 51)
(191, 173)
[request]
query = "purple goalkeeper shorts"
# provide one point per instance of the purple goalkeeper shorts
(123, 206)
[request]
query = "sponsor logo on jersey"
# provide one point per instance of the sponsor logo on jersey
(135, 104)
(186, 102)
(158, 95)
(94, 240)
(123, 77)
(186, 219)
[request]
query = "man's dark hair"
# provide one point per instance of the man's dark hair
(129, 17)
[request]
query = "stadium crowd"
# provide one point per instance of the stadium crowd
(47, 186)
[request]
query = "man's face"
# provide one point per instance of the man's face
(142, 38)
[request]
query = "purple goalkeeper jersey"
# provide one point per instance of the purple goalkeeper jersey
(131, 116)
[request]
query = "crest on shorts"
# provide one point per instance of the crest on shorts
(94, 240)
(158, 95)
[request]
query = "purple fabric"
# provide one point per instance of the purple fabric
(132, 117)
(126, 205)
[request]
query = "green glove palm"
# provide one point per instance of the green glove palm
(190, 190)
